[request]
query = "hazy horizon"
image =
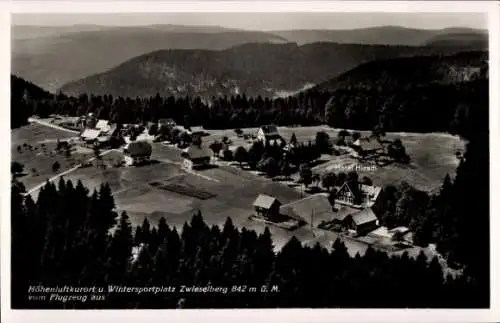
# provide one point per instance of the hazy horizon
(261, 21)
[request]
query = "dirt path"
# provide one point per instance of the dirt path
(47, 124)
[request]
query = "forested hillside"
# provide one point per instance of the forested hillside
(25, 96)
(421, 94)
(87, 52)
(253, 69)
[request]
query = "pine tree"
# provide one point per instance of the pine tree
(120, 251)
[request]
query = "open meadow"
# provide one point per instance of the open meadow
(34, 146)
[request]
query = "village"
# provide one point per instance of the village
(324, 202)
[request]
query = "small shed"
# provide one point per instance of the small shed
(267, 206)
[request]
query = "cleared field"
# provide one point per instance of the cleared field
(36, 133)
(153, 191)
(34, 147)
(432, 155)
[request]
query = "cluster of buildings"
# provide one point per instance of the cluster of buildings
(351, 214)
(96, 132)
(348, 213)
(364, 147)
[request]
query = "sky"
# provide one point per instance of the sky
(263, 21)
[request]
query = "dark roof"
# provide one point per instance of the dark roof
(344, 212)
(197, 152)
(139, 148)
(264, 201)
(316, 205)
(364, 216)
(269, 129)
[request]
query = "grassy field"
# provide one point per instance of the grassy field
(432, 155)
(34, 147)
(150, 191)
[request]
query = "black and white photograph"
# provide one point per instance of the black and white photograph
(249, 160)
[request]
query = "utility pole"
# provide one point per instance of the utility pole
(312, 222)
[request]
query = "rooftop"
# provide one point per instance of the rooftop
(344, 212)
(90, 134)
(364, 216)
(102, 125)
(139, 148)
(370, 144)
(264, 201)
(197, 152)
(315, 207)
(269, 129)
(197, 129)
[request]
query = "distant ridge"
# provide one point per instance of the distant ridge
(385, 35)
(253, 69)
(37, 52)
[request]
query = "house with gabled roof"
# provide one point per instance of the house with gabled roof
(368, 146)
(267, 206)
(89, 136)
(269, 134)
(357, 195)
(196, 157)
(362, 222)
(313, 209)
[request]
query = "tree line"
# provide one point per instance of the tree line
(456, 108)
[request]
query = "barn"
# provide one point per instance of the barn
(267, 206)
